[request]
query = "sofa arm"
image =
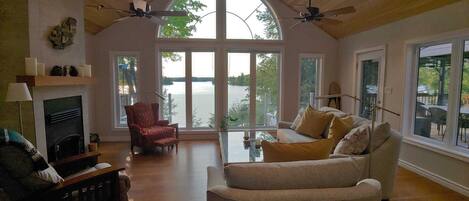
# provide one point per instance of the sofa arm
(284, 124)
(365, 190)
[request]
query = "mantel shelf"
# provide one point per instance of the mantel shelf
(44, 81)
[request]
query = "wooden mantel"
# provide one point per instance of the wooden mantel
(44, 81)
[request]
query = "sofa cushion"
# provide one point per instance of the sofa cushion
(354, 143)
(313, 122)
(291, 136)
(333, 111)
(298, 118)
(359, 121)
(157, 132)
(380, 134)
(339, 128)
(283, 152)
(330, 173)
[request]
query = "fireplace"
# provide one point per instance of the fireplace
(64, 127)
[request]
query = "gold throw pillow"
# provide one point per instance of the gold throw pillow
(339, 128)
(313, 123)
(283, 152)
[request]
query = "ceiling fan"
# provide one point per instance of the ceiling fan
(313, 14)
(141, 8)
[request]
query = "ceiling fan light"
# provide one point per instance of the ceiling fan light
(140, 4)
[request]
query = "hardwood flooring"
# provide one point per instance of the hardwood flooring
(182, 177)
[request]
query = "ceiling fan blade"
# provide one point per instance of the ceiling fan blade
(157, 20)
(340, 11)
(122, 19)
(296, 24)
(169, 13)
(100, 7)
(329, 21)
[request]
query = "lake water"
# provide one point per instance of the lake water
(203, 100)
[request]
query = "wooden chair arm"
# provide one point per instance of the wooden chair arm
(88, 176)
(88, 185)
(76, 163)
(79, 157)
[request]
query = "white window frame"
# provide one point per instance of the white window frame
(365, 54)
(319, 75)
(115, 106)
(188, 81)
(220, 31)
(449, 145)
(221, 45)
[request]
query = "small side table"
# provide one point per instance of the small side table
(169, 142)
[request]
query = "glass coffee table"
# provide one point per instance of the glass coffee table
(235, 149)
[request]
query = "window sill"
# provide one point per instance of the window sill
(453, 152)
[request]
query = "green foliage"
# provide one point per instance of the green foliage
(271, 28)
(241, 80)
(182, 27)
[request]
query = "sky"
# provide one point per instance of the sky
(203, 63)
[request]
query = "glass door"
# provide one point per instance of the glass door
(370, 83)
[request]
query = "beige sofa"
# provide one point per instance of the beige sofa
(384, 158)
(321, 180)
(279, 181)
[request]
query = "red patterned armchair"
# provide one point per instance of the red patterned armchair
(146, 130)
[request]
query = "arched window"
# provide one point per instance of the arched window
(245, 19)
(215, 83)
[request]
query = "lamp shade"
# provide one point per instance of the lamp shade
(18, 92)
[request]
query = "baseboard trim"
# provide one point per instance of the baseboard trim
(198, 136)
(434, 177)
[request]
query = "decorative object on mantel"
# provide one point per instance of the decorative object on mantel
(72, 71)
(18, 92)
(62, 35)
(57, 71)
(41, 69)
(84, 70)
(30, 66)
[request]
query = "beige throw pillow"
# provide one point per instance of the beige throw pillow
(381, 133)
(313, 123)
(355, 142)
(297, 120)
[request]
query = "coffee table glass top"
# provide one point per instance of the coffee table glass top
(234, 149)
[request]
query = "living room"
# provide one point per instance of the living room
(234, 100)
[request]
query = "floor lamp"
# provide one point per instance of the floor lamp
(18, 92)
(373, 106)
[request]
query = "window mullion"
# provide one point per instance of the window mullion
(189, 89)
(455, 87)
(252, 91)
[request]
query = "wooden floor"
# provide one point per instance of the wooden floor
(183, 177)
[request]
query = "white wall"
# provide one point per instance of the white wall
(393, 35)
(43, 16)
(139, 35)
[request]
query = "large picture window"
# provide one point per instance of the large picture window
(310, 67)
(439, 95)
(213, 81)
(125, 79)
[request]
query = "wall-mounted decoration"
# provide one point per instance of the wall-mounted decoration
(62, 35)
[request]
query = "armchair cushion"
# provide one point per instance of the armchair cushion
(157, 132)
(143, 115)
(16, 163)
